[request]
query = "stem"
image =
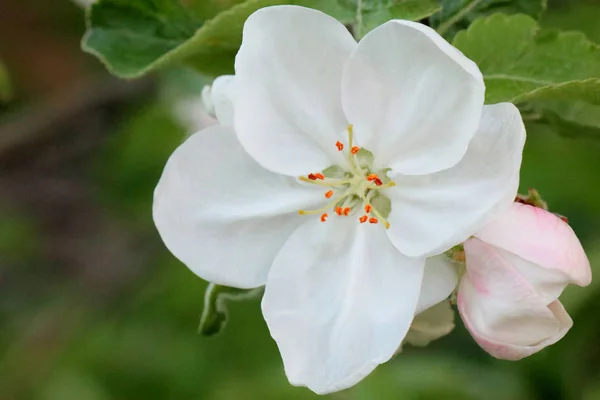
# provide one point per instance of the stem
(443, 28)
(359, 18)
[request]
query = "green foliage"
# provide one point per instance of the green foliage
(375, 12)
(130, 37)
(573, 116)
(5, 87)
(521, 62)
(459, 14)
(204, 9)
(214, 315)
(573, 120)
(134, 37)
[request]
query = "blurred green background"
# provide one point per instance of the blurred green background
(93, 307)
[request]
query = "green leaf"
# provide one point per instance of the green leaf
(204, 9)
(375, 12)
(214, 315)
(566, 125)
(459, 14)
(521, 62)
(5, 87)
(133, 37)
(583, 113)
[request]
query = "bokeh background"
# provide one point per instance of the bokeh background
(93, 307)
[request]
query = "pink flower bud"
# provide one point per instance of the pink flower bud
(517, 266)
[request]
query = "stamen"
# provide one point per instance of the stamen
(372, 177)
(312, 177)
(339, 211)
(373, 220)
(387, 185)
(378, 182)
(326, 182)
(377, 214)
(374, 210)
(350, 134)
(324, 217)
(363, 219)
(368, 208)
(329, 194)
(339, 145)
(347, 211)
(319, 176)
(326, 207)
(354, 149)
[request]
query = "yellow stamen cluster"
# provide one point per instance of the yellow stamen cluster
(356, 189)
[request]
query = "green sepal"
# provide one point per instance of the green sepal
(334, 172)
(214, 315)
(382, 204)
(365, 158)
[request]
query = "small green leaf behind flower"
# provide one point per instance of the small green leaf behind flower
(214, 315)
(135, 37)
(456, 15)
(372, 13)
(570, 119)
(521, 62)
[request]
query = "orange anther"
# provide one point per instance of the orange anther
(372, 177)
(312, 177)
(347, 211)
(324, 217)
(378, 182)
(368, 208)
(329, 194)
(319, 176)
(373, 220)
(355, 149)
(363, 219)
(339, 211)
(339, 145)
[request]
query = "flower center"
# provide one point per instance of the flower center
(355, 189)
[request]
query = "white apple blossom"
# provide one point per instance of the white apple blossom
(345, 166)
(516, 268)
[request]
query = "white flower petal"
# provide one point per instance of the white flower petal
(431, 324)
(502, 310)
(222, 214)
(439, 280)
(222, 91)
(338, 301)
(415, 100)
(288, 112)
(432, 213)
